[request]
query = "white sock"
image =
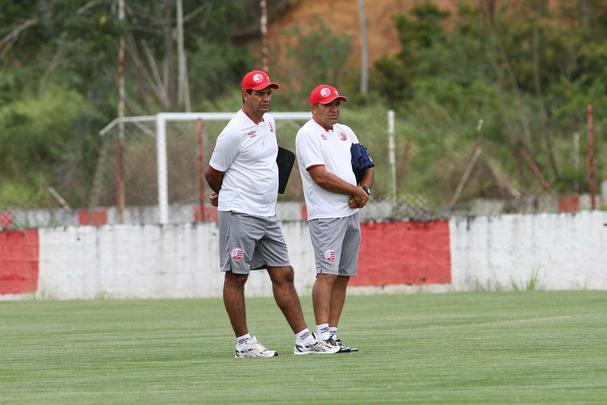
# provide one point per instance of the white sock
(333, 331)
(240, 340)
(322, 331)
(303, 335)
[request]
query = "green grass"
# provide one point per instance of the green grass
(529, 347)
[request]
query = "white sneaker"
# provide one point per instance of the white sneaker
(316, 346)
(344, 348)
(252, 348)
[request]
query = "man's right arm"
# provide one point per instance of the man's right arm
(215, 180)
(331, 182)
(225, 151)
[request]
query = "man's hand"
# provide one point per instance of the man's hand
(359, 199)
(214, 199)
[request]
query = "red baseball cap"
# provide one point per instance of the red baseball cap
(257, 80)
(324, 94)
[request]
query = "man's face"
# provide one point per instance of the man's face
(326, 114)
(258, 101)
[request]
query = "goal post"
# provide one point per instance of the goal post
(161, 150)
(165, 160)
(160, 120)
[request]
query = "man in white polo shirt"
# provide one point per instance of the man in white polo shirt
(244, 176)
(333, 198)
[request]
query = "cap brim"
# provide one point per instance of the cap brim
(340, 98)
(265, 86)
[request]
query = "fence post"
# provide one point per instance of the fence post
(391, 155)
(161, 156)
(200, 137)
(591, 180)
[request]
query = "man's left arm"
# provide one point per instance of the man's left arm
(367, 180)
(366, 183)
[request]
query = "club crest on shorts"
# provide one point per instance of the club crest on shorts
(330, 255)
(237, 254)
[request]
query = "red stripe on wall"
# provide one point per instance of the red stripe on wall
(19, 261)
(6, 219)
(304, 212)
(569, 203)
(97, 217)
(210, 213)
(404, 253)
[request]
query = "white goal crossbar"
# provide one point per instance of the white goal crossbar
(161, 152)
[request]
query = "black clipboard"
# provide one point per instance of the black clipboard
(284, 160)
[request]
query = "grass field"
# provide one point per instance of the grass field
(529, 347)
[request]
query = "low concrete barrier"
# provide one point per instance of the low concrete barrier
(547, 251)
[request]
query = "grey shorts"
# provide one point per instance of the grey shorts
(250, 243)
(336, 243)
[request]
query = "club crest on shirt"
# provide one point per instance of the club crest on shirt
(271, 127)
(343, 136)
(330, 255)
(324, 137)
(237, 254)
(251, 134)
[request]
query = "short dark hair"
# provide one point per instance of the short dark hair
(248, 91)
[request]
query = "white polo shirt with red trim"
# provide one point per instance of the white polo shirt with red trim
(316, 146)
(246, 152)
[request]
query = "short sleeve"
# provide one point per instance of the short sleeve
(307, 148)
(351, 135)
(226, 149)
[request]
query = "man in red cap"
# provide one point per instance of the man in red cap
(244, 176)
(333, 198)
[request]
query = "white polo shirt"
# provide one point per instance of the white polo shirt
(246, 152)
(317, 146)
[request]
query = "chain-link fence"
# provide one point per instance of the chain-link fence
(133, 184)
(40, 198)
(188, 150)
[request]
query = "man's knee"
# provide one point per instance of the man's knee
(233, 280)
(281, 275)
(326, 279)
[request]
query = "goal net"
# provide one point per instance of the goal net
(163, 162)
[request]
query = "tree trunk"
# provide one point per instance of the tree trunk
(263, 22)
(364, 54)
(507, 74)
(168, 63)
(120, 165)
(544, 120)
(183, 93)
(584, 12)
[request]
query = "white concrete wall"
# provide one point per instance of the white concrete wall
(150, 261)
(555, 251)
(127, 261)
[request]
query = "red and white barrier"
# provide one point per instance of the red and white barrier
(548, 251)
(19, 262)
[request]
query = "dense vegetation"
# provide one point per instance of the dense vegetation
(526, 69)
